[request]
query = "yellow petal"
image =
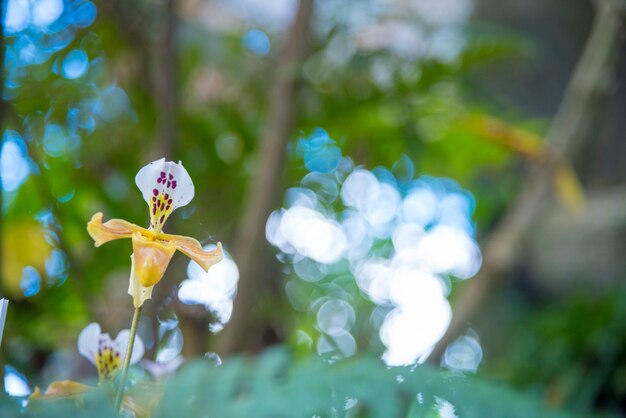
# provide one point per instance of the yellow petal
(112, 229)
(192, 249)
(139, 292)
(61, 389)
(151, 258)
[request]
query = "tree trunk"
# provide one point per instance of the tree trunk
(244, 331)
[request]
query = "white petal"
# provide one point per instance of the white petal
(165, 186)
(147, 176)
(88, 342)
(177, 182)
(121, 343)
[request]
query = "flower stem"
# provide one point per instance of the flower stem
(129, 351)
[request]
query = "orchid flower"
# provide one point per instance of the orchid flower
(165, 186)
(101, 351)
(107, 354)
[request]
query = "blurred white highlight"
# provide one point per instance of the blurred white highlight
(214, 289)
(464, 354)
(400, 240)
(307, 232)
(15, 383)
(419, 319)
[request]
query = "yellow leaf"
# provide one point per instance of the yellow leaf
(24, 244)
(568, 189)
(516, 140)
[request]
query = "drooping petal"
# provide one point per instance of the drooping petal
(61, 389)
(165, 186)
(88, 342)
(111, 229)
(121, 341)
(151, 259)
(193, 249)
(139, 292)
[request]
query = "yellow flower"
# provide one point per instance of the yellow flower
(165, 186)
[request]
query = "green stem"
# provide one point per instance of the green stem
(129, 350)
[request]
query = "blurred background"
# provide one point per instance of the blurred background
(424, 181)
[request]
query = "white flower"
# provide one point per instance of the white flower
(106, 354)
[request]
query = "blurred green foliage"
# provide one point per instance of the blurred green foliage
(577, 352)
(570, 356)
(276, 385)
(219, 127)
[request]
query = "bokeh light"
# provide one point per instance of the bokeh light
(399, 239)
(31, 281)
(319, 152)
(37, 29)
(256, 41)
(15, 383)
(215, 289)
(14, 163)
(464, 354)
(75, 64)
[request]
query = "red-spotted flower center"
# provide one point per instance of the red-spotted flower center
(164, 186)
(108, 361)
(161, 204)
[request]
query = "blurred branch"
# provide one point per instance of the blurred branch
(152, 34)
(245, 328)
(165, 82)
(134, 24)
(165, 99)
(570, 128)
